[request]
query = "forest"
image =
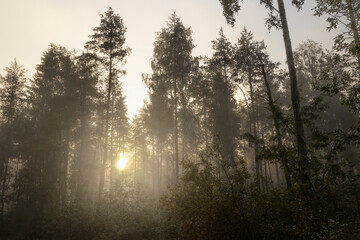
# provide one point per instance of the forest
(233, 145)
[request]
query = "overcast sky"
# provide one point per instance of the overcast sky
(28, 27)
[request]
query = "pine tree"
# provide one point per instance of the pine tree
(12, 97)
(172, 62)
(108, 43)
(87, 80)
(245, 68)
(53, 104)
(223, 115)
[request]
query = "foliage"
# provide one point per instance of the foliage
(208, 204)
(230, 8)
(127, 213)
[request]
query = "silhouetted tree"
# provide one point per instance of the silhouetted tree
(108, 43)
(223, 115)
(172, 62)
(12, 97)
(87, 80)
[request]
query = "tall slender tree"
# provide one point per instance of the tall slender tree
(245, 68)
(108, 42)
(223, 114)
(172, 63)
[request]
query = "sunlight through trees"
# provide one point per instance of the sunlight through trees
(197, 161)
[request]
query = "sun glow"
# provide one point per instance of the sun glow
(121, 163)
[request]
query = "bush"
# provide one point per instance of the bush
(218, 200)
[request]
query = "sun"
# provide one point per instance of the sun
(121, 163)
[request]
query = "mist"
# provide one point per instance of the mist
(231, 138)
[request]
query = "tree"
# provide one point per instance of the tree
(12, 97)
(140, 141)
(172, 62)
(201, 92)
(253, 67)
(87, 80)
(53, 99)
(244, 68)
(223, 115)
(108, 43)
(139, 147)
(346, 13)
(119, 130)
(230, 8)
(295, 99)
(159, 123)
(278, 19)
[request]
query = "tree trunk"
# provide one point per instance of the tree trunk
(135, 164)
(160, 169)
(270, 175)
(176, 147)
(158, 166)
(264, 161)
(275, 116)
(5, 165)
(112, 139)
(64, 170)
(143, 165)
(103, 166)
(354, 27)
(153, 163)
(205, 123)
(253, 129)
(80, 183)
(299, 128)
(183, 150)
(3, 188)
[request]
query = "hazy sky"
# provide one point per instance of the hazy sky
(28, 27)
